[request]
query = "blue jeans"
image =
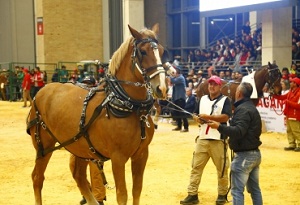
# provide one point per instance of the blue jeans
(245, 172)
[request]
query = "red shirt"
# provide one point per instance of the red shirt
(26, 84)
(38, 79)
(292, 103)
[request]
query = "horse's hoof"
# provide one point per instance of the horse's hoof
(83, 201)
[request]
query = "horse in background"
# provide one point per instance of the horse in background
(269, 74)
(111, 121)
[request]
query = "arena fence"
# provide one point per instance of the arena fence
(11, 89)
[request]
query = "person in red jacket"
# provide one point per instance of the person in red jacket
(292, 113)
(26, 85)
(38, 80)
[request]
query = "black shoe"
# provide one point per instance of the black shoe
(222, 199)
(297, 149)
(190, 199)
(176, 129)
(184, 130)
(83, 201)
(289, 148)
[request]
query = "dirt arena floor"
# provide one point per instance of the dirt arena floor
(166, 176)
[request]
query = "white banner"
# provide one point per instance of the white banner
(271, 111)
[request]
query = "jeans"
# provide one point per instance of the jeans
(245, 172)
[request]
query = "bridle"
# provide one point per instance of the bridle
(137, 59)
(274, 75)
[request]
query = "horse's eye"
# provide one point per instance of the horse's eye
(143, 53)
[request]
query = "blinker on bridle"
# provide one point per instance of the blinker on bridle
(136, 54)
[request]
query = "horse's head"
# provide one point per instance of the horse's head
(273, 79)
(146, 56)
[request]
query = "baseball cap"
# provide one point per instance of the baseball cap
(295, 80)
(215, 79)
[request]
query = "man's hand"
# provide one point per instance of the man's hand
(213, 124)
(199, 119)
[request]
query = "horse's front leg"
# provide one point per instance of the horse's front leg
(118, 168)
(78, 168)
(138, 164)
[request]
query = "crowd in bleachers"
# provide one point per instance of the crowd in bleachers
(228, 54)
(241, 54)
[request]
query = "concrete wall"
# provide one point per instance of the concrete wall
(155, 12)
(16, 31)
(72, 30)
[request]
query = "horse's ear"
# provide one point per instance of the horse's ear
(270, 65)
(135, 33)
(155, 29)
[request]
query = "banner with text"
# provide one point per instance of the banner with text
(271, 111)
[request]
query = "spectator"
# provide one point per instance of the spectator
(292, 113)
(20, 77)
(190, 103)
(222, 75)
(285, 73)
(45, 77)
(178, 97)
(26, 85)
(210, 144)
(227, 76)
(295, 52)
(293, 70)
(63, 74)
(244, 139)
(246, 29)
(38, 80)
(285, 84)
(55, 76)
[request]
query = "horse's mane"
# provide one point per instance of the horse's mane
(120, 53)
(118, 56)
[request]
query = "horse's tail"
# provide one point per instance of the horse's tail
(30, 123)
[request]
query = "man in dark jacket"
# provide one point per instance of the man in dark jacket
(178, 97)
(244, 139)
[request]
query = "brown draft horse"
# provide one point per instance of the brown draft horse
(266, 74)
(111, 121)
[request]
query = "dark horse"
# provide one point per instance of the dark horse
(111, 121)
(266, 74)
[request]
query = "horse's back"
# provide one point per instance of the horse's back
(61, 108)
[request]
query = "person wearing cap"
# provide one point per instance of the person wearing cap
(244, 140)
(292, 113)
(210, 143)
(26, 85)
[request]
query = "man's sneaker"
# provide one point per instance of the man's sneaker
(222, 199)
(190, 199)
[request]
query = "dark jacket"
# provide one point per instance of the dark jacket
(190, 104)
(178, 88)
(245, 127)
